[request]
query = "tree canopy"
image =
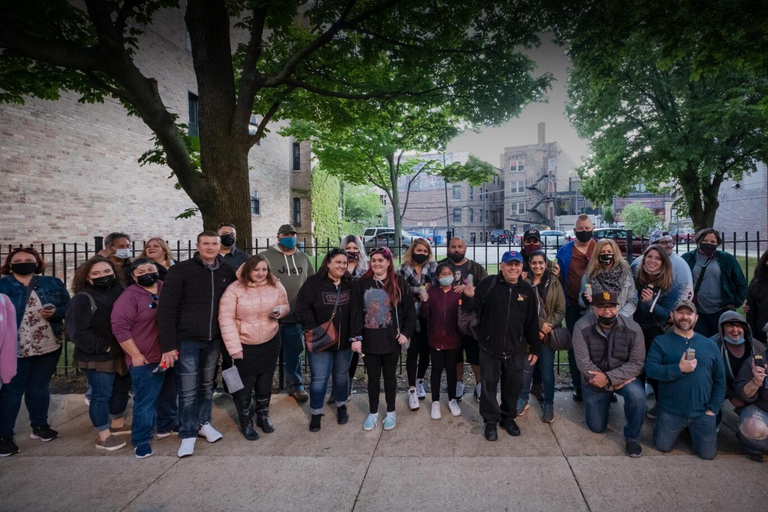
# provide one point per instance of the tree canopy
(639, 219)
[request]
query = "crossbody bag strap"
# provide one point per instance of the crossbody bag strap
(335, 306)
(701, 277)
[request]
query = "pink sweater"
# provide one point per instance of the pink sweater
(245, 314)
(8, 342)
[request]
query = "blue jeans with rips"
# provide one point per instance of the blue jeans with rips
(196, 369)
(328, 364)
(598, 403)
(146, 390)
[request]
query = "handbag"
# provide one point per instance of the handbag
(559, 339)
(324, 336)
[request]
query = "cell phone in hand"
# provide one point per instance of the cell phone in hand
(49, 306)
(759, 361)
(690, 354)
(276, 311)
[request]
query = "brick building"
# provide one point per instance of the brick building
(69, 171)
(743, 205)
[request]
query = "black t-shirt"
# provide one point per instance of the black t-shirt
(460, 273)
(736, 362)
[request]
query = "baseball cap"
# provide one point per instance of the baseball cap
(605, 298)
(286, 229)
(532, 233)
(684, 303)
(511, 256)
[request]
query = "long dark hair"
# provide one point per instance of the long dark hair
(664, 279)
(761, 272)
(80, 281)
(323, 270)
(391, 285)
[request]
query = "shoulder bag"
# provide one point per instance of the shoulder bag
(324, 336)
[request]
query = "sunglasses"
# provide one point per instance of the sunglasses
(379, 250)
(154, 298)
(336, 252)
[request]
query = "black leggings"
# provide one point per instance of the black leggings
(376, 364)
(417, 360)
(444, 360)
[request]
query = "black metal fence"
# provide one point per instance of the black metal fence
(62, 259)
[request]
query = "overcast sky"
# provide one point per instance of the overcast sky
(489, 144)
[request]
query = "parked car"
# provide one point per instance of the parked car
(553, 238)
(415, 234)
(387, 239)
(501, 236)
(372, 232)
(620, 237)
(683, 236)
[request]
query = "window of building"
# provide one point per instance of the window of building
(255, 204)
(457, 215)
(517, 208)
(193, 128)
(471, 215)
(552, 164)
(296, 156)
(471, 192)
(517, 166)
(516, 187)
(473, 237)
(457, 191)
(296, 211)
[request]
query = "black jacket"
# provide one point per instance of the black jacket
(315, 303)
(507, 314)
(91, 331)
(236, 257)
(377, 339)
(757, 300)
(188, 309)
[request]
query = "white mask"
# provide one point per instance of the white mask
(123, 254)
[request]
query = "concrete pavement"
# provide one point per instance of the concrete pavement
(420, 465)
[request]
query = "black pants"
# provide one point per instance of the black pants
(650, 334)
(573, 315)
(510, 371)
(353, 366)
(443, 360)
(417, 360)
(256, 369)
(708, 324)
(376, 365)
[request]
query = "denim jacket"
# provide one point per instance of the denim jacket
(48, 288)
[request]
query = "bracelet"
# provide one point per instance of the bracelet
(355, 338)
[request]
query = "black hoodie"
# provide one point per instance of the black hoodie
(315, 303)
(751, 347)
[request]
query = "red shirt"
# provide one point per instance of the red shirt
(579, 262)
(442, 313)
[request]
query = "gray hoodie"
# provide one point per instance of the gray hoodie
(751, 345)
(292, 270)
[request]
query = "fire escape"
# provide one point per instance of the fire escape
(544, 191)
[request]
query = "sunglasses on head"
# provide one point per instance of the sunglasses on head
(378, 250)
(154, 298)
(336, 252)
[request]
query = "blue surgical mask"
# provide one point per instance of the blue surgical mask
(288, 242)
(123, 254)
(446, 281)
(731, 342)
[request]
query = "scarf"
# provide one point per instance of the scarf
(609, 280)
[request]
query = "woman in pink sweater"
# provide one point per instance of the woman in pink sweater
(7, 340)
(248, 315)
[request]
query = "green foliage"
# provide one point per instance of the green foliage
(476, 172)
(608, 215)
(325, 206)
(362, 208)
(639, 219)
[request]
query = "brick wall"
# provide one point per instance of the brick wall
(743, 208)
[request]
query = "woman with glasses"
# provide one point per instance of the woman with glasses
(157, 250)
(134, 323)
(418, 270)
(383, 318)
(97, 287)
(324, 297)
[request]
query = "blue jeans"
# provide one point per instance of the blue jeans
(168, 403)
(146, 390)
(323, 365)
(702, 428)
(293, 346)
(597, 404)
(109, 397)
(573, 315)
(196, 369)
(32, 381)
(546, 364)
(753, 441)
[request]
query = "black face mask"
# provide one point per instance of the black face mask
(456, 257)
(227, 240)
(353, 256)
(421, 258)
(708, 249)
(103, 282)
(607, 321)
(605, 259)
(584, 236)
(24, 269)
(148, 279)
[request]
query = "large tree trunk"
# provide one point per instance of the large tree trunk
(701, 197)
(397, 215)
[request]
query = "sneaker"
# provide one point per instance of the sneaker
(653, 412)
(314, 423)
(511, 428)
(342, 416)
(8, 447)
(87, 401)
(209, 433)
(390, 421)
(301, 396)
(756, 456)
(453, 405)
(125, 430)
(634, 449)
(614, 398)
(371, 421)
(459, 389)
(187, 447)
(163, 435)
(477, 392)
(44, 433)
(548, 414)
(435, 414)
(111, 443)
(420, 392)
(142, 452)
(413, 400)
(522, 406)
(490, 432)
(577, 396)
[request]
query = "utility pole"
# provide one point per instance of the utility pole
(449, 234)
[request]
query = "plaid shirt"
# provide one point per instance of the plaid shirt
(415, 281)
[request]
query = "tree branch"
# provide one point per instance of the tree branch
(126, 10)
(256, 138)
(58, 53)
(365, 96)
(249, 74)
(412, 46)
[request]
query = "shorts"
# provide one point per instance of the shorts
(471, 348)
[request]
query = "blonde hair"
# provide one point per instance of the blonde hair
(163, 245)
(594, 267)
(408, 256)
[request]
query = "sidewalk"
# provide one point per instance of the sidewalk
(421, 465)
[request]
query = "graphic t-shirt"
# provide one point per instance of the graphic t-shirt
(379, 326)
(460, 273)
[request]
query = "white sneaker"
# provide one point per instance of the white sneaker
(459, 389)
(187, 447)
(478, 390)
(453, 405)
(87, 401)
(436, 415)
(420, 389)
(413, 400)
(209, 433)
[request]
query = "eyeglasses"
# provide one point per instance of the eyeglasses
(154, 298)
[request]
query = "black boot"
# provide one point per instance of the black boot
(314, 423)
(262, 415)
(243, 406)
(342, 416)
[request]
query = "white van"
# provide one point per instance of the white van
(371, 233)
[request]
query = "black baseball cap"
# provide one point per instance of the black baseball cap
(532, 233)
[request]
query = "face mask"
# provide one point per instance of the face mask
(584, 236)
(23, 269)
(227, 240)
(607, 321)
(353, 256)
(737, 342)
(529, 248)
(420, 258)
(456, 257)
(708, 249)
(446, 281)
(103, 282)
(123, 254)
(605, 259)
(148, 279)
(288, 242)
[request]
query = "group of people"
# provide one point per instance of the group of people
(164, 328)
